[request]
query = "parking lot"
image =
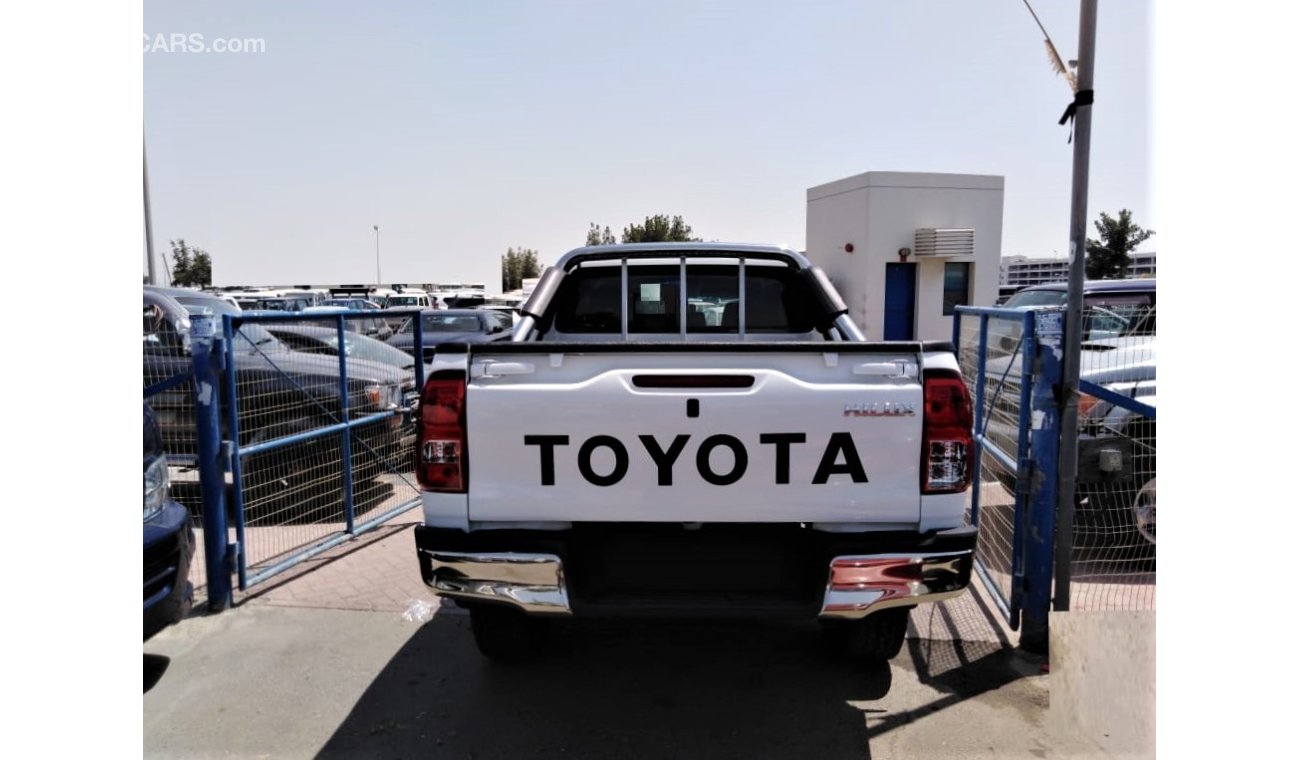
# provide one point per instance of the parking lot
(321, 662)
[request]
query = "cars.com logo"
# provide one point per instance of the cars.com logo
(178, 42)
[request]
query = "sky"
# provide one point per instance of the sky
(462, 129)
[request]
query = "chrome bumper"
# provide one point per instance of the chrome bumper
(859, 585)
(532, 582)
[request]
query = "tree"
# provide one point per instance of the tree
(516, 266)
(658, 229)
(597, 236)
(1109, 258)
(191, 267)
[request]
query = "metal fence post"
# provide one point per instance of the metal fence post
(212, 470)
(349, 514)
(1039, 544)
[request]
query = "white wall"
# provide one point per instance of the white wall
(878, 213)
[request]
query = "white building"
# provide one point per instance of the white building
(1023, 271)
(904, 248)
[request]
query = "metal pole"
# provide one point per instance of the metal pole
(1067, 469)
(379, 279)
(212, 468)
(148, 224)
(1032, 556)
(341, 332)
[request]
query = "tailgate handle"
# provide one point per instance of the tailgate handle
(501, 369)
(886, 369)
(693, 381)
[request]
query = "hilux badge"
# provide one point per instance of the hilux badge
(880, 409)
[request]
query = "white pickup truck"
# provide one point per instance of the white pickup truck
(693, 430)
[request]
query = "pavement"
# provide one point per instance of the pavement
(349, 655)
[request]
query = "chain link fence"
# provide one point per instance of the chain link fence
(325, 435)
(1113, 541)
(1114, 557)
(167, 370)
(317, 417)
(1003, 448)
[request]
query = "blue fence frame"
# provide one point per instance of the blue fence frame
(204, 379)
(1033, 463)
(212, 382)
(236, 454)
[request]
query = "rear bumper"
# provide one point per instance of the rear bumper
(849, 575)
(860, 585)
(532, 582)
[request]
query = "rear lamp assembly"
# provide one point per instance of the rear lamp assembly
(946, 441)
(440, 437)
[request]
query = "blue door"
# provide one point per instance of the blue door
(900, 301)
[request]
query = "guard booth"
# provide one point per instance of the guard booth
(905, 249)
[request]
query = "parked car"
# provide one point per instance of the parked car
(168, 540)
(280, 392)
(375, 327)
(509, 312)
(398, 306)
(1112, 308)
(1118, 507)
(1118, 352)
(359, 304)
(409, 299)
(279, 303)
(319, 339)
(452, 326)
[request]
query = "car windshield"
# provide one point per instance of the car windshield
(1106, 315)
(1118, 317)
(403, 301)
(362, 347)
(248, 336)
(1029, 298)
(446, 323)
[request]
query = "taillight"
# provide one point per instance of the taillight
(946, 434)
(440, 440)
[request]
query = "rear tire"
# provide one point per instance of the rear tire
(878, 637)
(506, 635)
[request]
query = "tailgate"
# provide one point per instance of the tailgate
(743, 434)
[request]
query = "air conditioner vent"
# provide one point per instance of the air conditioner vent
(949, 242)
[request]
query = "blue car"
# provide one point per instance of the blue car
(168, 540)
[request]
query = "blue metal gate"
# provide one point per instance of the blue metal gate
(318, 433)
(299, 442)
(1011, 359)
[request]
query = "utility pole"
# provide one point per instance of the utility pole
(1068, 462)
(148, 224)
(379, 280)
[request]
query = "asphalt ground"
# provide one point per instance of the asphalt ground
(329, 661)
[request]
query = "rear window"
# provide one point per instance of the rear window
(446, 323)
(1113, 314)
(777, 300)
(1036, 298)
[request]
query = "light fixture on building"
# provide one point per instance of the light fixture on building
(848, 248)
(903, 253)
